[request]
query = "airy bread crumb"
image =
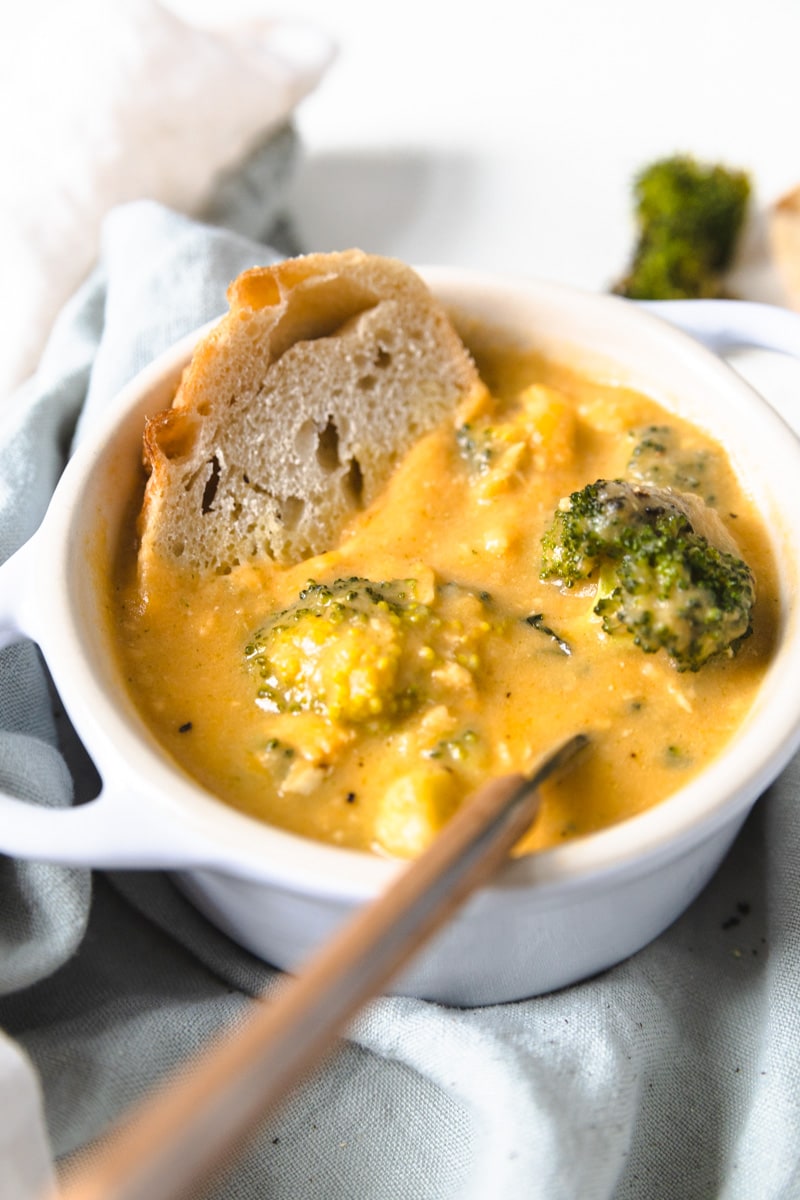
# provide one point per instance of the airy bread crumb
(295, 409)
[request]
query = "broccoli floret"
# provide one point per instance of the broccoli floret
(659, 580)
(456, 748)
(689, 216)
(359, 651)
(336, 651)
(477, 446)
(659, 458)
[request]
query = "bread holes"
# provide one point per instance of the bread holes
(319, 310)
(212, 483)
(292, 510)
(258, 488)
(305, 370)
(343, 425)
(305, 439)
(230, 560)
(353, 484)
(175, 434)
(253, 488)
(328, 447)
(188, 484)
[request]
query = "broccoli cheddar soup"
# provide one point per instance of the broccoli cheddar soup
(562, 555)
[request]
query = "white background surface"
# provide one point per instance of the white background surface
(504, 134)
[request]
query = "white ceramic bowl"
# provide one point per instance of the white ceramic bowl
(548, 920)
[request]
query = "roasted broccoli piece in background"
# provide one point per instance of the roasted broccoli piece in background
(689, 217)
(660, 581)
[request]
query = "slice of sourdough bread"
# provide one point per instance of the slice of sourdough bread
(295, 409)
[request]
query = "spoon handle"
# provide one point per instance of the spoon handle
(185, 1130)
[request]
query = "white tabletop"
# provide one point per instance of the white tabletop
(505, 134)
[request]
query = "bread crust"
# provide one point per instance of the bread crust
(295, 409)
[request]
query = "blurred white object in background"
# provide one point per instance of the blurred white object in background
(111, 102)
(27, 1172)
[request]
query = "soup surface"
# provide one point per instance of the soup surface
(357, 697)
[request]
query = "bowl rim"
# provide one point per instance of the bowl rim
(128, 757)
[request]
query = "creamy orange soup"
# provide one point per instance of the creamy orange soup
(362, 715)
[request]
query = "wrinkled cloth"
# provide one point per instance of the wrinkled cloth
(676, 1073)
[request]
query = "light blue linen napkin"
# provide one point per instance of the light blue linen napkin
(674, 1074)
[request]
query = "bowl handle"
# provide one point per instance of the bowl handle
(16, 576)
(730, 324)
(115, 830)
